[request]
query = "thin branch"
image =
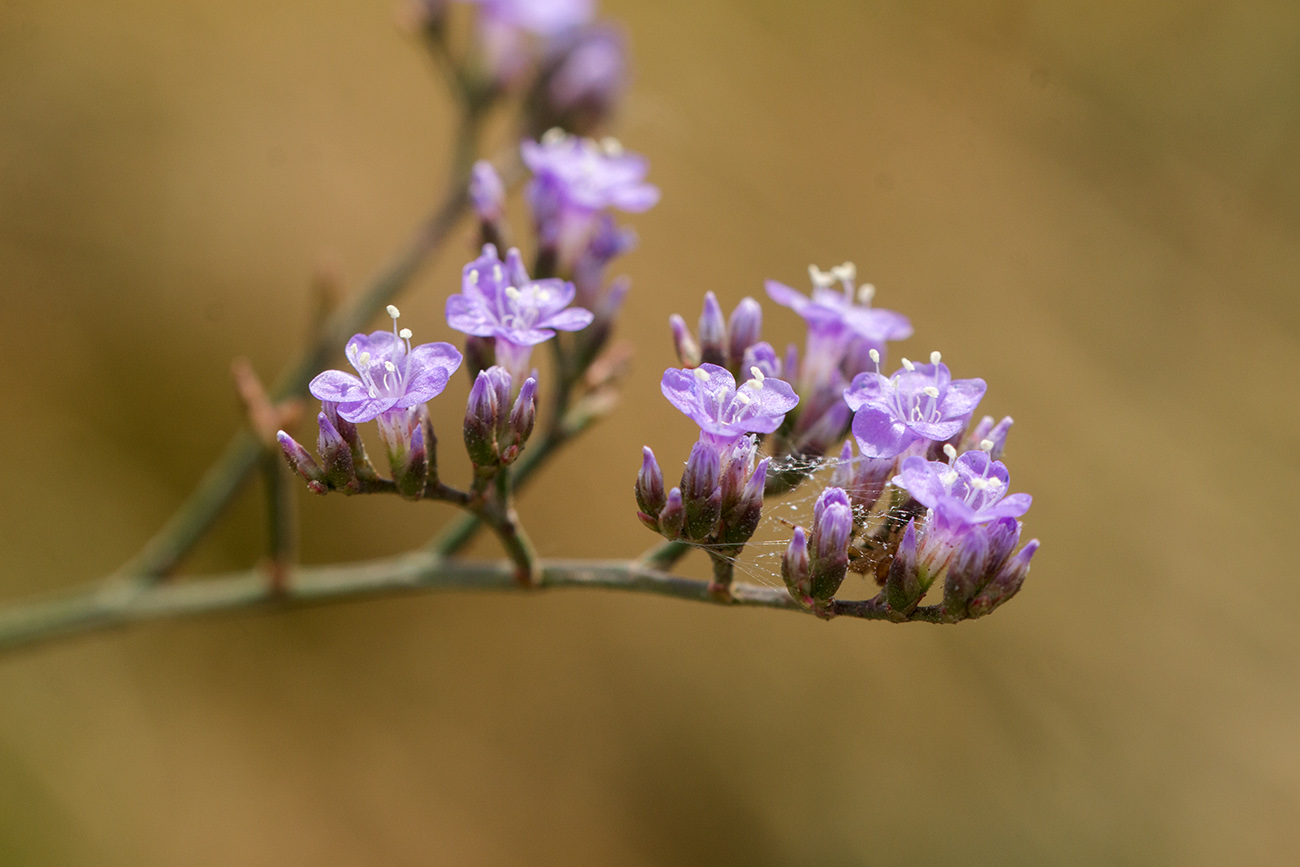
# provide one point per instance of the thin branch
(121, 604)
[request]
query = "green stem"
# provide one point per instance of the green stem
(103, 607)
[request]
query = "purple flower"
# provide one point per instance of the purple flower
(574, 181)
(486, 192)
(392, 375)
(498, 299)
(919, 402)
(545, 18)
(709, 396)
(971, 490)
(839, 319)
(584, 78)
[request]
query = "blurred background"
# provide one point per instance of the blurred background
(1093, 205)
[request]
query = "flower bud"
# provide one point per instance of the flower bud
(903, 589)
(688, 351)
(522, 416)
(701, 494)
(348, 431)
(743, 330)
(795, 568)
(481, 421)
(762, 356)
(1006, 583)
(337, 457)
(737, 469)
(985, 433)
(650, 496)
(713, 332)
(302, 462)
(742, 520)
(413, 470)
(829, 543)
(488, 196)
(673, 515)
(967, 571)
(582, 85)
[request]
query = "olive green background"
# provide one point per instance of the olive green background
(1094, 205)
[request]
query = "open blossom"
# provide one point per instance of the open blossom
(921, 402)
(971, 490)
(709, 396)
(574, 181)
(391, 374)
(839, 320)
(498, 299)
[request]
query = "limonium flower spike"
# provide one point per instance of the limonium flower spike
(391, 374)
(919, 402)
(709, 395)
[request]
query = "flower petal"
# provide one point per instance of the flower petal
(881, 434)
(336, 386)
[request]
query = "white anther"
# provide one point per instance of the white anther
(846, 273)
(473, 277)
(553, 136)
(755, 384)
(374, 392)
(987, 445)
(948, 478)
(758, 375)
(935, 357)
(496, 273)
(405, 334)
(364, 358)
(982, 484)
(743, 398)
(950, 450)
(931, 391)
(701, 374)
(389, 366)
(874, 356)
(393, 311)
(821, 279)
(865, 293)
(544, 295)
(611, 146)
(512, 293)
(907, 364)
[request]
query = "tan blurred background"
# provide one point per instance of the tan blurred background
(1094, 205)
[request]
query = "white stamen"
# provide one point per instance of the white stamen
(701, 374)
(907, 364)
(821, 279)
(755, 384)
(935, 357)
(405, 334)
(389, 366)
(758, 374)
(865, 293)
(364, 358)
(987, 445)
(496, 272)
(743, 398)
(948, 478)
(950, 450)
(611, 146)
(845, 273)
(982, 484)
(553, 136)
(931, 391)
(512, 293)
(393, 311)
(374, 392)
(473, 277)
(544, 295)
(874, 356)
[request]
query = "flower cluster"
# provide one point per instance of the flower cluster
(917, 494)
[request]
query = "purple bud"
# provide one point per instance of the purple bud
(348, 431)
(795, 568)
(966, 572)
(762, 356)
(650, 485)
(903, 586)
(737, 469)
(486, 192)
(481, 421)
(583, 88)
(831, 532)
(998, 436)
(700, 492)
(743, 330)
(743, 518)
(522, 415)
(842, 475)
(688, 351)
(301, 460)
(857, 357)
(1006, 583)
(713, 332)
(336, 455)
(1003, 536)
(673, 516)
(412, 473)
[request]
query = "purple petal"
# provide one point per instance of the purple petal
(921, 479)
(1012, 506)
(366, 410)
(866, 388)
(573, 319)
(938, 431)
(786, 297)
(470, 316)
(962, 396)
(881, 434)
(337, 387)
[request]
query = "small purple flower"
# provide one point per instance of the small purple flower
(971, 490)
(392, 375)
(486, 192)
(839, 319)
(709, 396)
(498, 299)
(583, 80)
(546, 18)
(921, 402)
(574, 181)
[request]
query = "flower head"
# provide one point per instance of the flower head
(709, 396)
(499, 299)
(919, 402)
(391, 374)
(546, 18)
(971, 490)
